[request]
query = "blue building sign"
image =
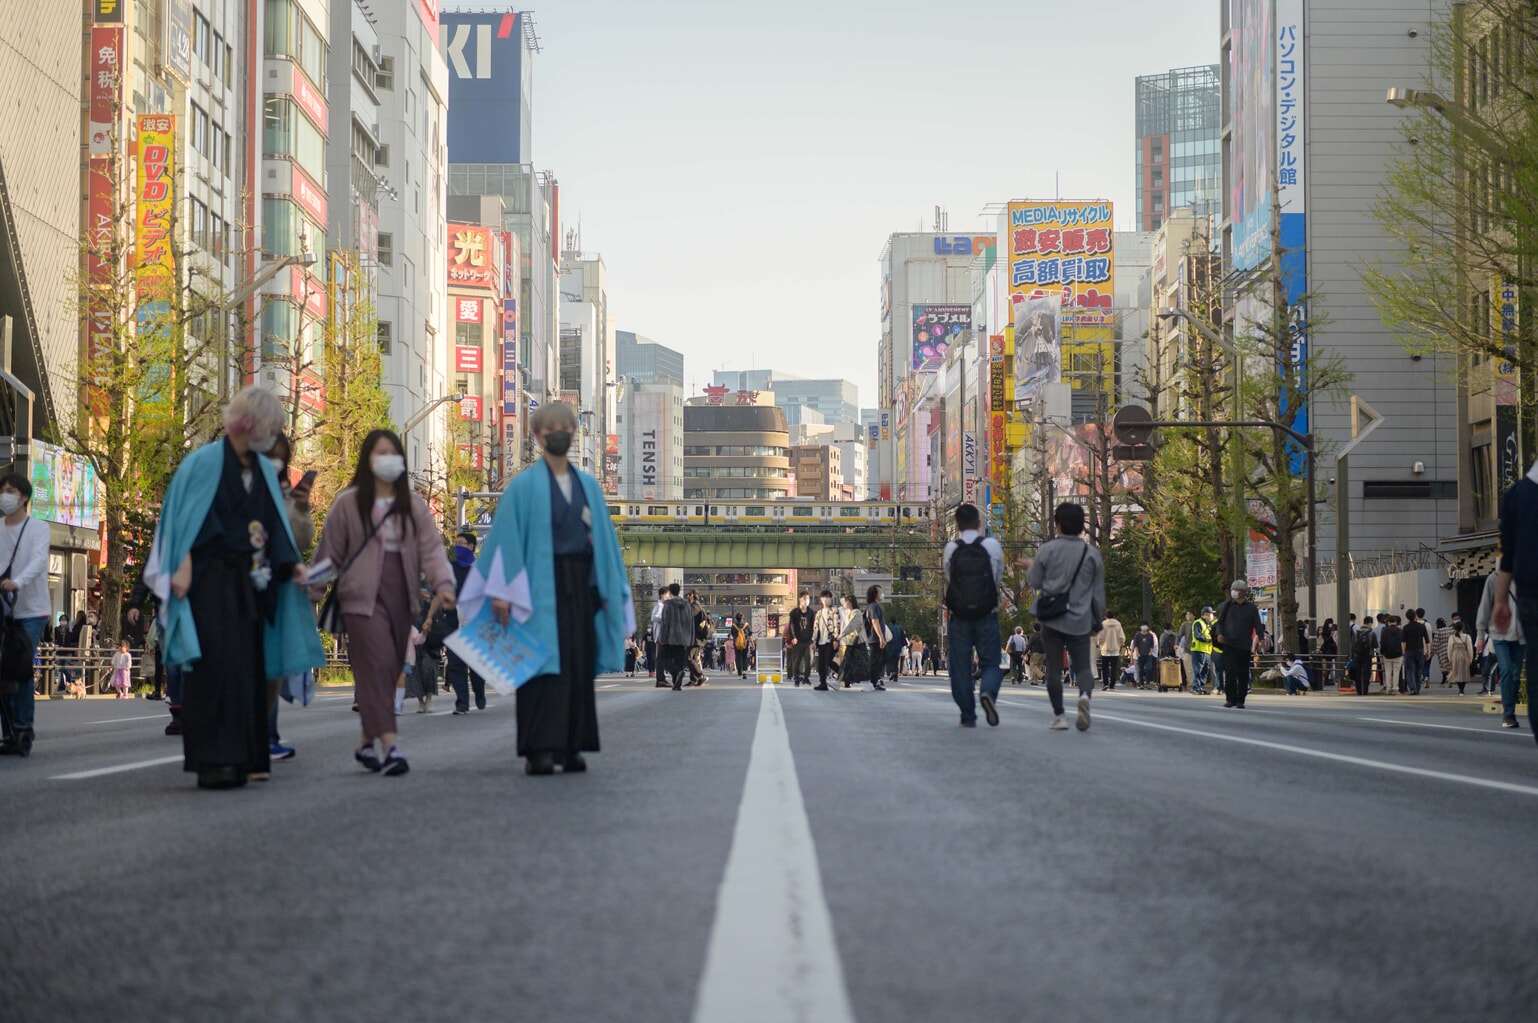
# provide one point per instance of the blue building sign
(490, 79)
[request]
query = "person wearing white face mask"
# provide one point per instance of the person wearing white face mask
(221, 564)
(23, 598)
(382, 538)
(1238, 632)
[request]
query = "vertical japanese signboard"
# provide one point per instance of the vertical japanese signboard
(106, 88)
(1252, 73)
(998, 405)
(473, 257)
(1508, 456)
(935, 329)
(155, 203)
(1291, 172)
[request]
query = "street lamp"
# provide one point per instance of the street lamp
(427, 410)
(258, 281)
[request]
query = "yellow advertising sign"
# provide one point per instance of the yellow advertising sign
(1067, 249)
(155, 199)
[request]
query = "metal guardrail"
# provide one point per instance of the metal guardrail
(54, 664)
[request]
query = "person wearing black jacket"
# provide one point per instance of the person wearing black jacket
(697, 645)
(799, 657)
(1417, 645)
(456, 672)
(1237, 632)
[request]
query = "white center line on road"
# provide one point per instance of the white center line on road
(119, 769)
(142, 717)
(1381, 765)
(772, 956)
(1450, 728)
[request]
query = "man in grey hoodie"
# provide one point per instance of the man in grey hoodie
(1068, 565)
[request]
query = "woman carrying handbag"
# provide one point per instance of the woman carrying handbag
(384, 538)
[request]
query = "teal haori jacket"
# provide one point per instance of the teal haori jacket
(291, 644)
(517, 564)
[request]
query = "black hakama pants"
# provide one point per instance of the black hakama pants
(559, 713)
(224, 694)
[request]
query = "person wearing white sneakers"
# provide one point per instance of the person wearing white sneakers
(1068, 577)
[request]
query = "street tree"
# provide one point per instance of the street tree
(147, 383)
(1461, 199)
(1279, 385)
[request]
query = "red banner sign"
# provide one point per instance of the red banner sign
(310, 101)
(467, 310)
(309, 195)
(106, 87)
(471, 409)
(467, 360)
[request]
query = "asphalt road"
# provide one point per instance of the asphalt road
(793, 855)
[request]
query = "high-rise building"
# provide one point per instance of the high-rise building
(1307, 125)
(412, 161)
(645, 361)
(835, 401)
(295, 198)
(649, 422)
(40, 215)
(1179, 115)
(925, 278)
(587, 356)
(491, 71)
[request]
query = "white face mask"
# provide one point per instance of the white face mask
(277, 465)
(1234, 594)
(9, 503)
(262, 445)
(387, 468)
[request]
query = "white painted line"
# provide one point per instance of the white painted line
(772, 956)
(144, 717)
(612, 685)
(1450, 728)
(1381, 765)
(100, 771)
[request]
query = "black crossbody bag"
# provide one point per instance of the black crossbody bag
(1054, 605)
(15, 645)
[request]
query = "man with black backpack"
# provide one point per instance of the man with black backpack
(974, 564)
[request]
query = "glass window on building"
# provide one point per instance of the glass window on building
(285, 229)
(286, 132)
(290, 34)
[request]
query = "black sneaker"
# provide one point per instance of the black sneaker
(394, 763)
(990, 711)
(573, 763)
(368, 758)
(1510, 722)
(539, 763)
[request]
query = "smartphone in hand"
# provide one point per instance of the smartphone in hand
(308, 479)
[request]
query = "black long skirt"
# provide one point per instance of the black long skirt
(559, 713)
(224, 695)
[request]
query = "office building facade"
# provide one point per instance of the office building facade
(1179, 157)
(646, 361)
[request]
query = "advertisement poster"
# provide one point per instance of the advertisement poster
(1259, 554)
(64, 487)
(155, 196)
(1038, 346)
(935, 329)
(1065, 250)
(176, 39)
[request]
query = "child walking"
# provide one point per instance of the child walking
(122, 670)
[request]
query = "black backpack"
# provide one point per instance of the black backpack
(1391, 643)
(972, 593)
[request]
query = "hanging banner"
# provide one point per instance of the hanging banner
(106, 88)
(1038, 346)
(1065, 250)
(155, 195)
(935, 329)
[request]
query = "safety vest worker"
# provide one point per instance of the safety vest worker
(1201, 636)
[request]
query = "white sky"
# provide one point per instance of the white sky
(740, 166)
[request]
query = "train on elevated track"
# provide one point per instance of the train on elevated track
(789, 513)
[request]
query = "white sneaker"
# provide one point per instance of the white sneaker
(1083, 722)
(1059, 724)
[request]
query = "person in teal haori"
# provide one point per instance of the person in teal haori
(552, 562)
(227, 571)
